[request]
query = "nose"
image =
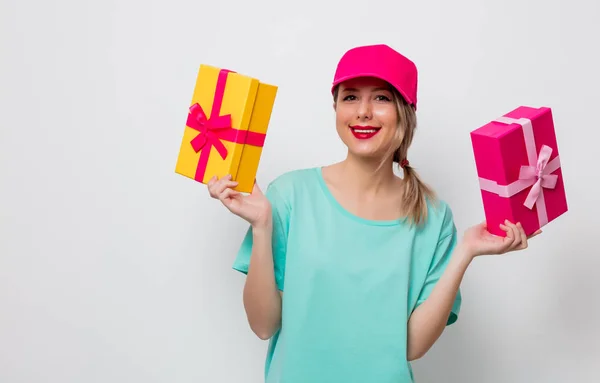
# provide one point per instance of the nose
(364, 109)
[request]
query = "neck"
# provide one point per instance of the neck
(367, 176)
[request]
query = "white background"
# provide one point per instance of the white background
(115, 269)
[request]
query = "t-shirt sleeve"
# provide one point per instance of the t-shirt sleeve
(443, 253)
(281, 214)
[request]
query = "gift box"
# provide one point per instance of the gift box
(226, 127)
(518, 165)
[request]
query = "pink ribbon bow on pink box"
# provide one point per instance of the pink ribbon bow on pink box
(519, 169)
(539, 176)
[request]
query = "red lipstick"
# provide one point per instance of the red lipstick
(364, 132)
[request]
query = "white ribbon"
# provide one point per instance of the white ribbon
(536, 175)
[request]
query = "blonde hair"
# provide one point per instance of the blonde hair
(416, 193)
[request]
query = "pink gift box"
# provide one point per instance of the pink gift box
(518, 165)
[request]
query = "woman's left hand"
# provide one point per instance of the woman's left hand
(478, 241)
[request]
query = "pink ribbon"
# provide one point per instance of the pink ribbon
(215, 130)
(537, 174)
(208, 128)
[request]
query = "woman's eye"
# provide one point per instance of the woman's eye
(383, 98)
(349, 98)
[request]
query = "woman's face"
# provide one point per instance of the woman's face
(366, 117)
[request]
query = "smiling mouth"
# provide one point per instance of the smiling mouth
(364, 132)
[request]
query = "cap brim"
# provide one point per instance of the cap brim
(360, 75)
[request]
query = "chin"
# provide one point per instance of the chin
(367, 155)
(372, 149)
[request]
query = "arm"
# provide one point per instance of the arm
(428, 321)
(262, 299)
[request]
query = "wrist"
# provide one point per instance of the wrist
(262, 227)
(464, 253)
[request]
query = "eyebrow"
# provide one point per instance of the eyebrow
(356, 90)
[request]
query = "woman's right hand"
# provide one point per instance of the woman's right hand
(254, 208)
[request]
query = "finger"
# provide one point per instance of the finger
(223, 184)
(522, 235)
(215, 184)
(515, 239)
(212, 181)
(508, 240)
(537, 232)
(211, 185)
(509, 233)
(228, 194)
(508, 227)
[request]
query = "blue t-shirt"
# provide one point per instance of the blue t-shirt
(350, 284)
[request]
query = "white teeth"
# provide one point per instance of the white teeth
(365, 130)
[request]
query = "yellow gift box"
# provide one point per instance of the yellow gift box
(226, 127)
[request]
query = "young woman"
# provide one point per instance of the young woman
(370, 263)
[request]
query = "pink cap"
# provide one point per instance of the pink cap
(379, 61)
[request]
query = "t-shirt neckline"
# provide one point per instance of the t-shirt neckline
(347, 213)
